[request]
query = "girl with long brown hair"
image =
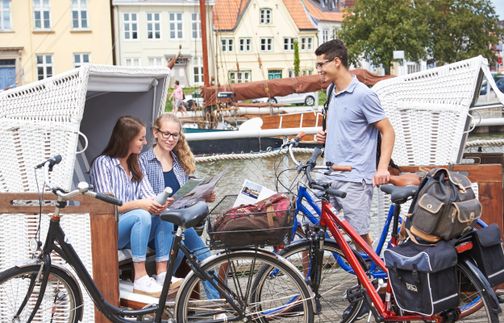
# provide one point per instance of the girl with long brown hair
(117, 170)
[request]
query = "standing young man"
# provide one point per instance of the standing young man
(354, 120)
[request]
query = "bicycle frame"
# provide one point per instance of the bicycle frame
(333, 223)
(314, 219)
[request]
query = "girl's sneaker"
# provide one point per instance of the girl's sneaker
(147, 286)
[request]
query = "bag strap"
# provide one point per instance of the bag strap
(326, 106)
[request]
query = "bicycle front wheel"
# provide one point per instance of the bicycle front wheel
(335, 281)
(286, 297)
(19, 290)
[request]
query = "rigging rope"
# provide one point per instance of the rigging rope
(276, 152)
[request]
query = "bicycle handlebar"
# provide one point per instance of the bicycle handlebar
(82, 188)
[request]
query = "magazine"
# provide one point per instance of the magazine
(251, 193)
(195, 190)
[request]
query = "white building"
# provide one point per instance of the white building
(148, 32)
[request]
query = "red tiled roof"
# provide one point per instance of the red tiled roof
(226, 14)
(317, 13)
(298, 14)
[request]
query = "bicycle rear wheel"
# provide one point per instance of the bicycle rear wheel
(474, 300)
(332, 302)
(286, 297)
(62, 300)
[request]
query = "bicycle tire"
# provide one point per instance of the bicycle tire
(62, 301)
(335, 282)
(240, 267)
(474, 298)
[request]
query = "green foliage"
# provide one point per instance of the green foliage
(461, 29)
(444, 30)
(296, 58)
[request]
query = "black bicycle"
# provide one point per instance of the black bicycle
(225, 287)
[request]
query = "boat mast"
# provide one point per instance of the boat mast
(204, 42)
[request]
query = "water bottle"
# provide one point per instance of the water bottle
(164, 195)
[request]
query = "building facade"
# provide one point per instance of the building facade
(40, 38)
(255, 39)
(150, 32)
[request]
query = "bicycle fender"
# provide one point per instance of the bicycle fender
(484, 282)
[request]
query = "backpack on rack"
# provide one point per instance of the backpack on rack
(444, 208)
(423, 277)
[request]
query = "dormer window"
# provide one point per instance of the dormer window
(265, 16)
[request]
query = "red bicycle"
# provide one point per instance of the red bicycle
(476, 297)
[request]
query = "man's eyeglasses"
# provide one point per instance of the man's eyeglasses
(320, 64)
(167, 134)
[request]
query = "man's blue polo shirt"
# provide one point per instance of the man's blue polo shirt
(351, 134)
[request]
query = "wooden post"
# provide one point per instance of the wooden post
(103, 237)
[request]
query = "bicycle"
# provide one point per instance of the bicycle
(43, 291)
(326, 261)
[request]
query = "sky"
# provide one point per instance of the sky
(499, 8)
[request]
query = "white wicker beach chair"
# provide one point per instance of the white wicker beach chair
(44, 118)
(430, 113)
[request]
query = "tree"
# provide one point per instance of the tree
(374, 29)
(296, 58)
(443, 30)
(461, 30)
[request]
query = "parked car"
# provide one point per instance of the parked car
(500, 84)
(308, 98)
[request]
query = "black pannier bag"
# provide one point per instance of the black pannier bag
(423, 277)
(444, 208)
(488, 253)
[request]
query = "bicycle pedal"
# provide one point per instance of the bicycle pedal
(355, 294)
(500, 298)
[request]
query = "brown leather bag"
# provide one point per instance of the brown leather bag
(444, 208)
(264, 223)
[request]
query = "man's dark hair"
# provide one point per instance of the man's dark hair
(332, 49)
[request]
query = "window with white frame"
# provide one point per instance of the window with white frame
(42, 14)
(44, 66)
(245, 44)
(290, 73)
(306, 43)
(5, 15)
(80, 58)
(79, 14)
(288, 43)
(132, 61)
(325, 35)
(266, 44)
(175, 19)
(239, 76)
(307, 72)
(227, 44)
(130, 25)
(153, 25)
(196, 25)
(197, 70)
(265, 16)
(156, 61)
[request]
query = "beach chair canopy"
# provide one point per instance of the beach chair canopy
(58, 115)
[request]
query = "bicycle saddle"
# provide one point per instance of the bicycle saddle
(399, 194)
(187, 217)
